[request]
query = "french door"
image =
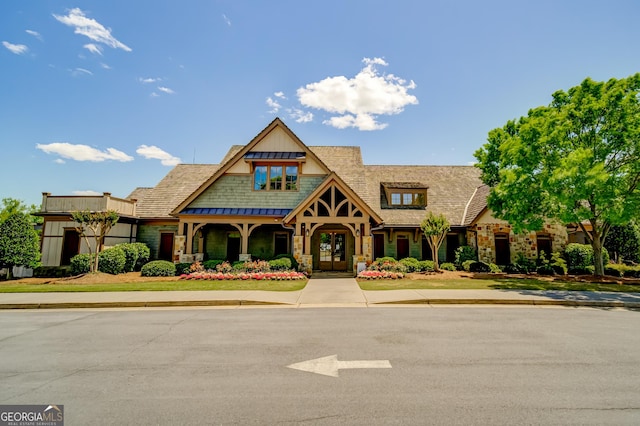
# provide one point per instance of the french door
(333, 253)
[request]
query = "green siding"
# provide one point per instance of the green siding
(235, 191)
(150, 235)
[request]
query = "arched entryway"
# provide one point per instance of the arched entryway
(332, 248)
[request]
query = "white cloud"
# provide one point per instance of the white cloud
(93, 48)
(155, 153)
(59, 161)
(34, 33)
(105, 66)
(166, 90)
(79, 152)
(80, 71)
(149, 80)
(279, 95)
(227, 20)
(88, 192)
(90, 28)
(300, 116)
(274, 105)
(358, 101)
(18, 49)
(154, 95)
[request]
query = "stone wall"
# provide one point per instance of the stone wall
(482, 237)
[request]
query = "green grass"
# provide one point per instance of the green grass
(181, 285)
(493, 284)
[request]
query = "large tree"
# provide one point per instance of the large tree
(575, 161)
(19, 242)
(435, 228)
(12, 205)
(99, 224)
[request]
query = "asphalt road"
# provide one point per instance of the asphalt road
(450, 365)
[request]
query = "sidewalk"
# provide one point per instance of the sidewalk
(343, 292)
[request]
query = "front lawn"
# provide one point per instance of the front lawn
(492, 284)
(174, 285)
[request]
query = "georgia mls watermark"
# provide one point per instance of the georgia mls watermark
(31, 415)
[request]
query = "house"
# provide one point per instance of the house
(322, 204)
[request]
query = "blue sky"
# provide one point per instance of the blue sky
(107, 95)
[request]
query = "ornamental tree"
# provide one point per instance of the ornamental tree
(99, 224)
(435, 228)
(575, 161)
(19, 242)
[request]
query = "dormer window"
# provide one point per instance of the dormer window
(405, 194)
(275, 170)
(275, 177)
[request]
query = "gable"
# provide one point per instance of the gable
(275, 138)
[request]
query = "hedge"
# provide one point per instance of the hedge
(158, 268)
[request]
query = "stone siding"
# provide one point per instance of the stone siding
(483, 239)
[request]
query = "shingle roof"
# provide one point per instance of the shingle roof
(456, 191)
(450, 189)
(476, 204)
(179, 183)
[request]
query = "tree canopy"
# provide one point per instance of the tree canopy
(19, 242)
(12, 205)
(99, 223)
(575, 161)
(435, 228)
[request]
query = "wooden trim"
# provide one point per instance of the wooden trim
(276, 123)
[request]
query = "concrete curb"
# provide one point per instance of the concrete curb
(148, 304)
(529, 302)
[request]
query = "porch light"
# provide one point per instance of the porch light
(306, 232)
(357, 232)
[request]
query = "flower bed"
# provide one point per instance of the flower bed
(210, 275)
(383, 275)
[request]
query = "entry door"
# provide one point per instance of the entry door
(166, 246)
(333, 253)
(70, 246)
(233, 248)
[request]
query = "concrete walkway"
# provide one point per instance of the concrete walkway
(336, 292)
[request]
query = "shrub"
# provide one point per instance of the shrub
(524, 264)
(447, 266)
(144, 254)
(282, 264)
(632, 272)
(238, 265)
(411, 264)
(426, 266)
(112, 260)
(466, 265)
(81, 264)
(463, 254)
(183, 268)
(558, 264)
(387, 264)
(495, 268)
(294, 262)
(211, 264)
(479, 267)
(224, 267)
(615, 270)
(131, 255)
(580, 258)
(158, 268)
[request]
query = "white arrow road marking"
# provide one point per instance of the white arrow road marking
(329, 365)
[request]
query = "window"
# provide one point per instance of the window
(271, 177)
(544, 245)
(503, 252)
(408, 198)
